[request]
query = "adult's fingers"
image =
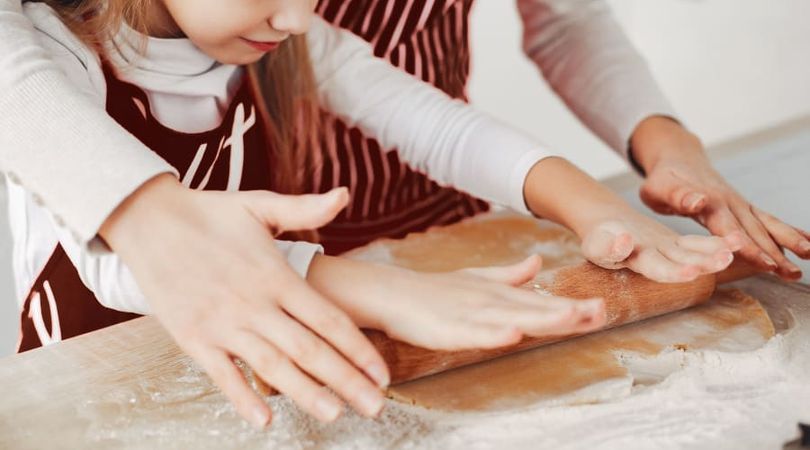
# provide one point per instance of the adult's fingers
(711, 245)
(230, 379)
(318, 359)
(296, 212)
(277, 369)
(335, 327)
(759, 234)
(263, 387)
(723, 222)
(669, 194)
(514, 275)
(785, 235)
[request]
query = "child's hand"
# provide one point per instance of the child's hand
(645, 246)
(207, 263)
(477, 308)
(680, 180)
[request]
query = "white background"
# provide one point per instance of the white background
(730, 67)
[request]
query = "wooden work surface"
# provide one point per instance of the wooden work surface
(123, 386)
(129, 386)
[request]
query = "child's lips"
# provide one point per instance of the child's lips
(263, 47)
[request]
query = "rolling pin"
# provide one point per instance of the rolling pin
(629, 297)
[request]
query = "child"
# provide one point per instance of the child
(227, 127)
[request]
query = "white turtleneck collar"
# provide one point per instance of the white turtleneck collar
(188, 90)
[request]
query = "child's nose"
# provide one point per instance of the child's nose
(293, 17)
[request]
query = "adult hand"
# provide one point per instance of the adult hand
(614, 235)
(207, 263)
(680, 180)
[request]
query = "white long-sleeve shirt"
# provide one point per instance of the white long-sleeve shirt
(590, 63)
(575, 43)
(188, 91)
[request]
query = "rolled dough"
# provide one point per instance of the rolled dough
(584, 370)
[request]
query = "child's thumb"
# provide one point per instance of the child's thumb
(299, 212)
(608, 245)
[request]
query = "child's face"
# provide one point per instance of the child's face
(238, 31)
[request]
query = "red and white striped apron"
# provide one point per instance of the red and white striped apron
(429, 39)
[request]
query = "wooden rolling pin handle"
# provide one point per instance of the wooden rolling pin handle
(629, 297)
(738, 270)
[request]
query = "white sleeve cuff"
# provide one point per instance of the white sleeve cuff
(518, 179)
(628, 119)
(299, 255)
(497, 161)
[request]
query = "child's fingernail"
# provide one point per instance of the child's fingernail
(261, 417)
(328, 409)
(804, 247)
(370, 402)
(768, 261)
(379, 373)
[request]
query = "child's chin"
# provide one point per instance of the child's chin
(239, 59)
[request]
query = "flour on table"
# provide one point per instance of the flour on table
(676, 399)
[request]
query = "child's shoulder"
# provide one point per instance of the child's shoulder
(80, 63)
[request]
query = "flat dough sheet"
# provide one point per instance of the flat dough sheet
(583, 370)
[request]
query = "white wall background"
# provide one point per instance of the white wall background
(730, 67)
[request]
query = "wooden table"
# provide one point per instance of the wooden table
(129, 386)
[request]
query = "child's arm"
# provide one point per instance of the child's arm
(451, 311)
(446, 138)
(458, 146)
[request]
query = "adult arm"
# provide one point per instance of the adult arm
(590, 63)
(58, 143)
